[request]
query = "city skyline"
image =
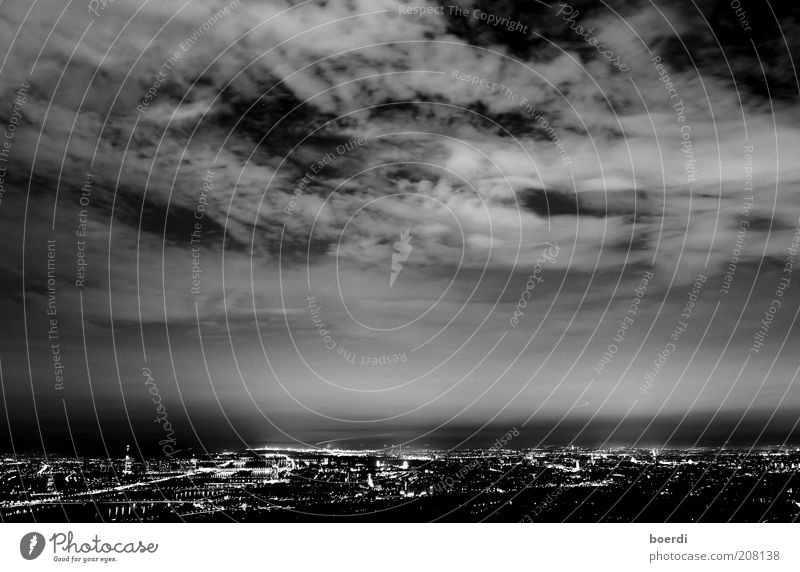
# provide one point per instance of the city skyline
(567, 484)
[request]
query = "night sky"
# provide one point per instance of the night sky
(311, 223)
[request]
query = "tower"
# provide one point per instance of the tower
(128, 467)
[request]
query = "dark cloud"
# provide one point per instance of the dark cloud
(482, 147)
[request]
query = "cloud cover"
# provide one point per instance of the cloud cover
(265, 98)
